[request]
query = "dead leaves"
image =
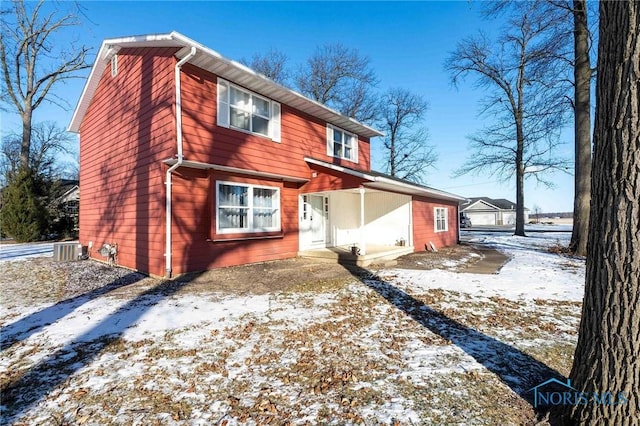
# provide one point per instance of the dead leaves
(343, 360)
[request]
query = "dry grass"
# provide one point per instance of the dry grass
(359, 362)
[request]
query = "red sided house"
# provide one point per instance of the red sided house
(190, 161)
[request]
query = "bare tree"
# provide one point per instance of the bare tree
(272, 64)
(340, 78)
(406, 152)
(525, 101)
(572, 17)
(48, 143)
(607, 355)
(32, 62)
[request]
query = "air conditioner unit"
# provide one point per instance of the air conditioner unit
(65, 252)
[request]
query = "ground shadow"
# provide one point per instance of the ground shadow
(24, 327)
(22, 393)
(518, 370)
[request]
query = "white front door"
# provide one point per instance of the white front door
(313, 222)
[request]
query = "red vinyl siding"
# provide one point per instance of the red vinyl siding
(322, 180)
(129, 130)
(301, 135)
(126, 133)
(195, 244)
(424, 223)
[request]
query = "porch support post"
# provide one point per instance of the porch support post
(363, 245)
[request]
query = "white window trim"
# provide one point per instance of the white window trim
(354, 148)
(224, 111)
(250, 229)
(435, 219)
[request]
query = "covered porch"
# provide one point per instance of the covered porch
(358, 226)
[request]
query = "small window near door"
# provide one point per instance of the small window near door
(441, 223)
(305, 207)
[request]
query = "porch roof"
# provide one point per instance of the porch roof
(208, 166)
(384, 182)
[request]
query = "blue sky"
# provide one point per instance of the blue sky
(406, 42)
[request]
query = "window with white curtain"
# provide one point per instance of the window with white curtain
(247, 208)
(441, 223)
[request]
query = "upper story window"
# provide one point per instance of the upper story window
(441, 222)
(243, 208)
(342, 144)
(241, 109)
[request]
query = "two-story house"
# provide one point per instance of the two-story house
(190, 161)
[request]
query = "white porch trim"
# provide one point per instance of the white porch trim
(363, 241)
(235, 170)
(386, 183)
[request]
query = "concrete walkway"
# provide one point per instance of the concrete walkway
(491, 263)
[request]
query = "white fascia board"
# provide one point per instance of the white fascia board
(284, 95)
(390, 184)
(89, 89)
(341, 169)
(385, 184)
(108, 48)
(254, 81)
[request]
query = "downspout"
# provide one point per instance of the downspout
(171, 169)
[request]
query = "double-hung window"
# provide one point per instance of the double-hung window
(241, 109)
(441, 223)
(243, 208)
(342, 144)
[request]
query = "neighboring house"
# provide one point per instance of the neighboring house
(490, 211)
(64, 207)
(191, 161)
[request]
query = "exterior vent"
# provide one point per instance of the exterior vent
(65, 252)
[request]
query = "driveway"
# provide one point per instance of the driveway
(25, 250)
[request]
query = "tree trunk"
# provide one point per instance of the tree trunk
(25, 147)
(392, 155)
(582, 97)
(520, 201)
(519, 174)
(607, 357)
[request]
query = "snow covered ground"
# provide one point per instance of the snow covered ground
(25, 251)
(389, 347)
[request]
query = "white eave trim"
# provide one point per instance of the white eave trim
(237, 170)
(109, 48)
(407, 188)
(341, 169)
(208, 59)
(385, 184)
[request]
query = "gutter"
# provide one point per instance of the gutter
(178, 163)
